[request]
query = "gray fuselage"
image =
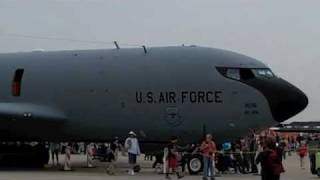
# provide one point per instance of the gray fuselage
(99, 94)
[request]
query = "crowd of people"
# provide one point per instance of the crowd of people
(266, 150)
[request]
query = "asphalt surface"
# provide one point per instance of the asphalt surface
(293, 172)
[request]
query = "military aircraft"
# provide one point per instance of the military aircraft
(94, 95)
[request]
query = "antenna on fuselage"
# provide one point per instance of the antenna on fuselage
(116, 44)
(144, 49)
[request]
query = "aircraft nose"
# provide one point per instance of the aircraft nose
(285, 100)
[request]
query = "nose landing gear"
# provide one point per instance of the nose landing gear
(195, 165)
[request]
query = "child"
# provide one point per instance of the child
(172, 158)
(67, 161)
(111, 159)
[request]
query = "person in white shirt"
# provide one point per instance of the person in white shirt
(132, 145)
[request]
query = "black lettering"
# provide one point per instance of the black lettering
(139, 97)
(161, 98)
(217, 97)
(166, 97)
(149, 97)
(209, 97)
(201, 95)
(183, 96)
(172, 97)
(193, 97)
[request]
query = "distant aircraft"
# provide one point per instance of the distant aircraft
(94, 95)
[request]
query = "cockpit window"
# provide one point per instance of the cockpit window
(263, 73)
(246, 74)
(243, 74)
(233, 73)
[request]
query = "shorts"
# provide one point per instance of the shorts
(132, 158)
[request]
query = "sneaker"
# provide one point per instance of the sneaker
(131, 172)
(168, 177)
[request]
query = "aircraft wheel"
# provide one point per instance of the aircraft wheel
(195, 164)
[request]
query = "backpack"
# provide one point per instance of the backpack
(275, 163)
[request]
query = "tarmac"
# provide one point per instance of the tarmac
(80, 172)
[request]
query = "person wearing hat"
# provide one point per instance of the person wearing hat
(132, 145)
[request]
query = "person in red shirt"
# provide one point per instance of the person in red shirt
(302, 152)
(208, 150)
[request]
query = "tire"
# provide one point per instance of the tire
(195, 165)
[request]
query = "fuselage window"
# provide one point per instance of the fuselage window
(16, 83)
